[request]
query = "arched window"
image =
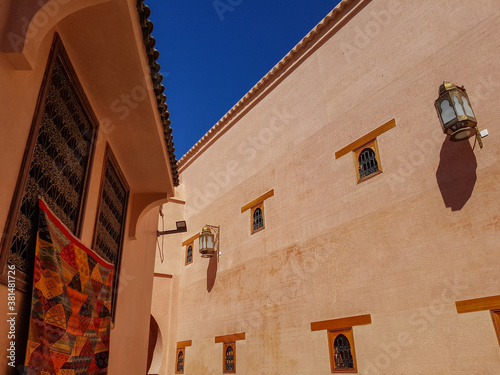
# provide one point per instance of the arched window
(189, 251)
(180, 362)
(367, 163)
(256, 207)
(258, 220)
(189, 255)
(180, 358)
(229, 360)
(342, 353)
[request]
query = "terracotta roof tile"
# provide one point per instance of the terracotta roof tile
(153, 54)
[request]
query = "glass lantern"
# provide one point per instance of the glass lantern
(455, 112)
(206, 243)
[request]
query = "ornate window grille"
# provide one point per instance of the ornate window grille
(179, 369)
(189, 254)
(342, 353)
(229, 360)
(111, 214)
(367, 163)
(258, 221)
(56, 163)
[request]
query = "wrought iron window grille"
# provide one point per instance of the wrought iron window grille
(367, 163)
(229, 360)
(56, 163)
(111, 216)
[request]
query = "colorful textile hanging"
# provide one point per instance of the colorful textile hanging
(71, 304)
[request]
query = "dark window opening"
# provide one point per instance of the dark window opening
(229, 361)
(342, 353)
(258, 221)
(367, 163)
(180, 362)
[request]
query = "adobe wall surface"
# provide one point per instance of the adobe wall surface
(402, 246)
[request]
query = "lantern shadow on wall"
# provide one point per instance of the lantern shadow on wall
(456, 173)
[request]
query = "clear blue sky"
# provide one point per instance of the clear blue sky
(213, 52)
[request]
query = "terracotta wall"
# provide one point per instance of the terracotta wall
(402, 246)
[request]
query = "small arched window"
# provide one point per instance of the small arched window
(367, 163)
(180, 362)
(258, 219)
(342, 353)
(229, 360)
(256, 207)
(189, 251)
(189, 255)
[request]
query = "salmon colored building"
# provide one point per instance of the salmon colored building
(353, 234)
(349, 233)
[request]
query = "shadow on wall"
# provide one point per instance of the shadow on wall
(456, 173)
(211, 273)
(154, 355)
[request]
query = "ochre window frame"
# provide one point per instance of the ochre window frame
(57, 52)
(229, 340)
(109, 156)
(181, 346)
(373, 145)
(332, 335)
(344, 326)
(179, 350)
(253, 205)
(191, 240)
(495, 316)
(491, 303)
(360, 144)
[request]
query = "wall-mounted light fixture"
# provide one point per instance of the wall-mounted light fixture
(209, 241)
(455, 113)
(181, 227)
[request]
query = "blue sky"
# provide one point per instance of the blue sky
(212, 52)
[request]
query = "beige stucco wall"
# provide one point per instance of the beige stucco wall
(332, 248)
(94, 47)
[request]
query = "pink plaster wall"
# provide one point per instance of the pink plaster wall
(332, 248)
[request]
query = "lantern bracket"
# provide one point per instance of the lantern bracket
(478, 137)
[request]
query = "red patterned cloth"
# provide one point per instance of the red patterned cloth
(71, 304)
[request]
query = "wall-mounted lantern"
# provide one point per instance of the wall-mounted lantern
(180, 225)
(209, 241)
(455, 113)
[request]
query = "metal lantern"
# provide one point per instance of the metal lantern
(208, 243)
(455, 112)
